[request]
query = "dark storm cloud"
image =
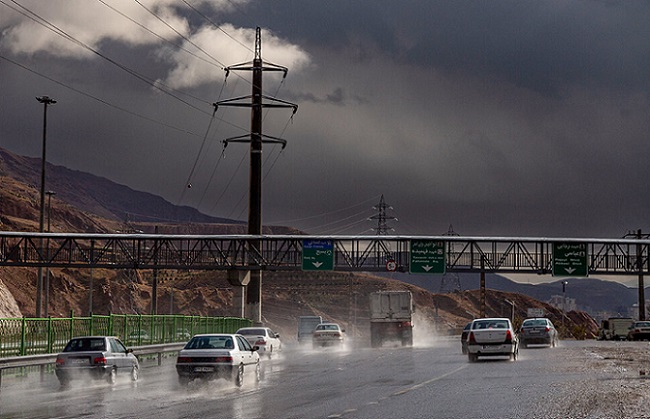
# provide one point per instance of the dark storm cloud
(499, 117)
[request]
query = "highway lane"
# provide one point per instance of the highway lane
(430, 380)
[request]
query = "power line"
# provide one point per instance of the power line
(214, 61)
(102, 101)
(50, 26)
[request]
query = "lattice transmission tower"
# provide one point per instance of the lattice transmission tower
(382, 218)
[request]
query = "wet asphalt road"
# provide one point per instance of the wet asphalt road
(430, 380)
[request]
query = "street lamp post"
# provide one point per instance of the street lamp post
(45, 100)
(564, 284)
(47, 254)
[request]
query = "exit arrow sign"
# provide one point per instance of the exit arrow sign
(570, 259)
(317, 255)
(427, 257)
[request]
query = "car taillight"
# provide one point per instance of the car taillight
(60, 361)
(406, 324)
(100, 360)
(471, 338)
(223, 359)
(260, 342)
(508, 337)
(548, 329)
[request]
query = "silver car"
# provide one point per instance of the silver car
(539, 330)
(212, 356)
(100, 357)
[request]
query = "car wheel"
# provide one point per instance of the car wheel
(135, 373)
(472, 357)
(112, 376)
(64, 381)
(184, 380)
(239, 376)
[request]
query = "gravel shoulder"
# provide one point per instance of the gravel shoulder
(612, 381)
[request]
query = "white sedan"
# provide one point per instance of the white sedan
(263, 337)
(328, 334)
(211, 356)
(492, 337)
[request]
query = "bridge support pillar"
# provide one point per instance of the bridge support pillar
(239, 280)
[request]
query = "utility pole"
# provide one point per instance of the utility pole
(47, 254)
(641, 285)
(45, 100)
(256, 139)
(639, 265)
(450, 281)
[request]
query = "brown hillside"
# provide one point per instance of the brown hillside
(342, 297)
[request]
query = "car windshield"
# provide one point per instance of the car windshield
(536, 322)
(327, 327)
(210, 342)
(642, 324)
(85, 344)
(248, 332)
(490, 324)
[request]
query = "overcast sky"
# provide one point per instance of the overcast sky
(501, 118)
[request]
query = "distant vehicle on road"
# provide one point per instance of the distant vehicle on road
(212, 356)
(100, 357)
(139, 337)
(615, 328)
(463, 338)
(391, 317)
(537, 331)
(264, 338)
(492, 337)
(328, 334)
(306, 326)
(639, 331)
(183, 334)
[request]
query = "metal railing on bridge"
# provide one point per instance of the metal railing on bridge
(285, 252)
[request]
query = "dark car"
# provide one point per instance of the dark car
(100, 357)
(639, 331)
(538, 331)
(463, 337)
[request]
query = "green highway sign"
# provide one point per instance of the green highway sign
(317, 255)
(427, 257)
(570, 259)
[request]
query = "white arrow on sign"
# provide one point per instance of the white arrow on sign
(427, 268)
(317, 264)
(569, 270)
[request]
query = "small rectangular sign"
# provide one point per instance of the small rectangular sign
(570, 259)
(317, 255)
(427, 257)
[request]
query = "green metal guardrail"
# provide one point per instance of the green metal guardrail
(33, 336)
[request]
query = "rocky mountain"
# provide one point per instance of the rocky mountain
(592, 295)
(87, 203)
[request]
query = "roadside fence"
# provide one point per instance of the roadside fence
(35, 336)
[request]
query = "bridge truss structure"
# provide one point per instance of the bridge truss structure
(284, 252)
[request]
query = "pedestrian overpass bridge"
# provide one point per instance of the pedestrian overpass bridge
(380, 253)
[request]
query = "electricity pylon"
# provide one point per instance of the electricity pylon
(256, 139)
(381, 217)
